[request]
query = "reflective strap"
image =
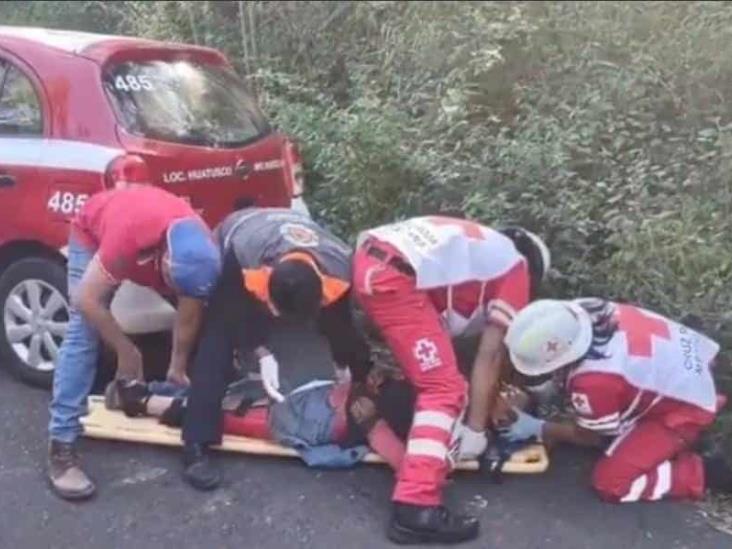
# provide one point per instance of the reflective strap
(367, 284)
(663, 484)
(633, 406)
(636, 489)
(427, 447)
(439, 420)
(609, 422)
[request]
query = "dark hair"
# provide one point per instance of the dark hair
(527, 248)
(604, 326)
(394, 404)
(296, 289)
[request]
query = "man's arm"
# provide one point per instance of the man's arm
(92, 299)
(485, 379)
(185, 332)
(347, 343)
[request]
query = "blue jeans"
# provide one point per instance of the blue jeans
(77, 360)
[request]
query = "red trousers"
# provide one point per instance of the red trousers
(411, 326)
(653, 460)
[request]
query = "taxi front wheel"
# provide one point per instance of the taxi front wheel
(35, 313)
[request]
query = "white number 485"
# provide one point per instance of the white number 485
(66, 203)
(132, 82)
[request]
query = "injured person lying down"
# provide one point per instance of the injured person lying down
(330, 421)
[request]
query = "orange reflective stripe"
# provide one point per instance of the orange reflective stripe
(256, 281)
(333, 289)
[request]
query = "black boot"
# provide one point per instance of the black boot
(718, 474)
(133, 397)
(414, 524)
(199, 471)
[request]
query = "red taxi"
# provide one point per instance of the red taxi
(83, 112)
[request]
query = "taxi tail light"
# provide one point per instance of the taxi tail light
(127, 170)
(292, 165)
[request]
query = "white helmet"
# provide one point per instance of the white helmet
(547, 335)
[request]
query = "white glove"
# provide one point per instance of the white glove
(270, 372)
(472, 443)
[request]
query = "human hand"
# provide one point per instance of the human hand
(525, 427)
(178, 377)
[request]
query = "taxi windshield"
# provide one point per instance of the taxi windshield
(184, 102)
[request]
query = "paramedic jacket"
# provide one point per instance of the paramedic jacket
(237, 315)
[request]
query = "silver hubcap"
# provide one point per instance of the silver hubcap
(36, 315)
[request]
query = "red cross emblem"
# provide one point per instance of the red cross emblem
(470, 229)
(581, 403)
(552, 346)
(427, 354)
(639, 330)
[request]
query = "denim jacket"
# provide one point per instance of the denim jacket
(305, 421)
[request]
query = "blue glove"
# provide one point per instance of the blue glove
(525, 427)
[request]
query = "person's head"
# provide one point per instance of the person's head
(296, 287)
(549, 335)
(534, 250)
(192, 261)
(381, 396)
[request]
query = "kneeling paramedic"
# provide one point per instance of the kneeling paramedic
(421, 282)
(144, 235)
(279, 266)
(641, 386)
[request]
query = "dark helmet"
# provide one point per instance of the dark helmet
(533, 249)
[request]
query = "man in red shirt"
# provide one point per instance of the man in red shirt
(147, 236)
(422, 281)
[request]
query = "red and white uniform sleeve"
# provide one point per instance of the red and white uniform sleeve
(599, 401)
(508, 295)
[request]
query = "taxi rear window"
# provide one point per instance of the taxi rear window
(184, 102)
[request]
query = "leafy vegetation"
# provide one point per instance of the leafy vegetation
(606, 126)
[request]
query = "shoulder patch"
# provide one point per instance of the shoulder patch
(581, 404)
(299, 235)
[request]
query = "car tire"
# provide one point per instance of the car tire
(34, 311)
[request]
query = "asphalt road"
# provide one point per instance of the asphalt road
(272, 503)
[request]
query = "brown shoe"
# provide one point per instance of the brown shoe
(67, 478)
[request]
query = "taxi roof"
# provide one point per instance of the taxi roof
(94, 46)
